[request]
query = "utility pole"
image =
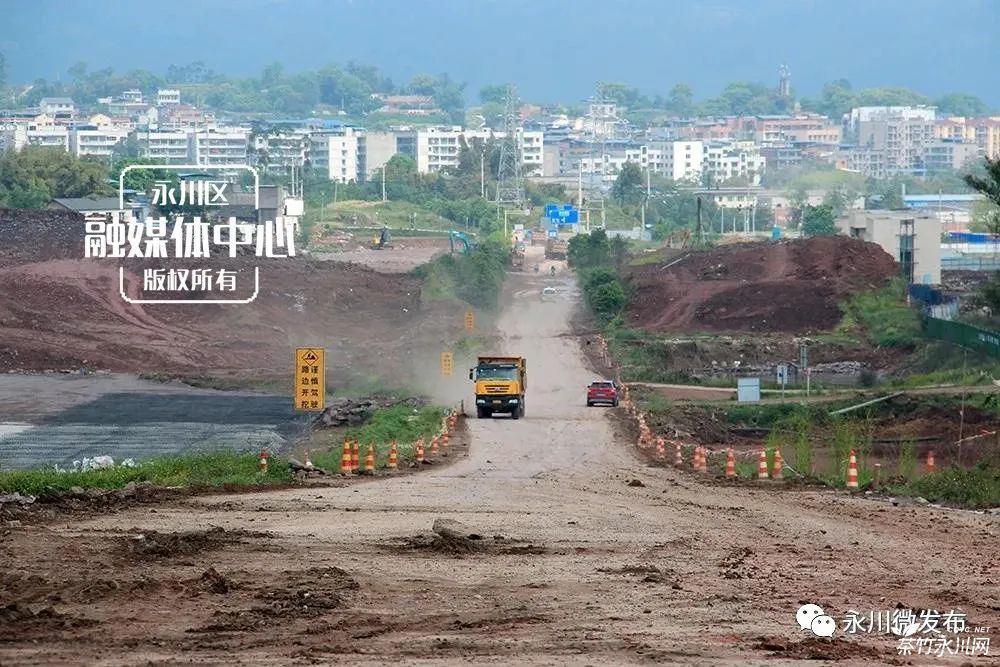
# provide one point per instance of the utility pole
(482, 174)
(383, 182)
(579, 190)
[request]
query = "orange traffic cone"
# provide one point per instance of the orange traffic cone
(878, 475)
(696, 460)
(704, 459)
(852, 471)
(730, 463)
(370, 459)
(678, 456)
(776, 474)
(661, 451)
(762, 465)
(419, 451)
(393, 456)
(345, 460)
(445, 440)
(356, 456)
(930, 461)
(434, 446)
(264, 456)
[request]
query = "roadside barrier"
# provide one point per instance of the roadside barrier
(852, 471)
(370, 459)
(777, 471)
(762, 465)
(730, 463)
(345, 460)
(393, 457)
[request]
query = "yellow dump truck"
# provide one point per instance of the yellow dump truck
(500, 384)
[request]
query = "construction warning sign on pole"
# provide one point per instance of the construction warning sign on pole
(447, 364)
(310, 379)
(470, 320)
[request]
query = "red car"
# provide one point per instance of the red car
(602, 391)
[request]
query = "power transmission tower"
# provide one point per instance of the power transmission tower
(510, 186)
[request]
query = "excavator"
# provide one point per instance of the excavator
(468, 244)
(382, 241)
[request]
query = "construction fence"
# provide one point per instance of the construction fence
(963, 334)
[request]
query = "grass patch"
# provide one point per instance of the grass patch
(401, 423)
(885, 317)
(194, 471)
(976, 488)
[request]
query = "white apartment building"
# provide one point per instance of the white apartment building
(726, 160)
(94, 140)
(166, 147)
(336, 152)
(13, 136)
(56, 105)
(45, 134)
(438, 148)
(222, 146)
(165, 96)
(682, 160)
(287, 149)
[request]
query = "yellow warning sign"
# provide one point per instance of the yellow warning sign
(447, 363)
(310, 379)
(470, 320)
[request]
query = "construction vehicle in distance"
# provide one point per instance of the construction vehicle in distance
(517, 257)
(468, 244)
(382, 240)
(500, 385)
(556, 249)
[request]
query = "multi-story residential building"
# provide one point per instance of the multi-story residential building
(988, 136)
(177, 116)
(335, 151)
(95, 140)
(53, 106)
(220, 146)
(438, 148)
(948, 155)
(682, 160)
(286, 148)
(725, 160)
(954, 129)
(165, 147)
(900, 133)
(13, 135)
(811, 128)
(44, 132)
(167, 96)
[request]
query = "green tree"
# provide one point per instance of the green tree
(494, 94)
(961, 104)
(3, 71)
(985, 218)
(628, 184)
(819, 221)
(32, 177)
(989, 183)
(680, 100)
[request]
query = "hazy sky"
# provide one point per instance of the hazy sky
(553, 49)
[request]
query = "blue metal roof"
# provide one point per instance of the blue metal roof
(931, 199)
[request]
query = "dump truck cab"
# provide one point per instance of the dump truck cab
(500, 384)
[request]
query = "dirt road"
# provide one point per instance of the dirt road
(592, 567)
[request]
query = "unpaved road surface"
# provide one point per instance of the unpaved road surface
(593, 568)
